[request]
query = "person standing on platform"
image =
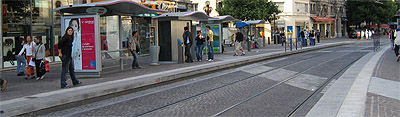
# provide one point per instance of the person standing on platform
(283, 37)
(210, 40)
(312, 36)
(318, 34)
(65, 48)
(188, 41)
(199, 46)
(303, 36)
(133, 48)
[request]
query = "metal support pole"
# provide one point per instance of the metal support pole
(296, 43)
(264, 41)
(121, 61)
(1, 38)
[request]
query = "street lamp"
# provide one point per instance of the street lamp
(207, 8)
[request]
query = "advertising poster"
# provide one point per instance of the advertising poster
(216, 37)
(88, 44)
(83, 47)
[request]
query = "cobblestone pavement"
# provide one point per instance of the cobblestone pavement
(212, 93)
(19, 87)
(383, 97)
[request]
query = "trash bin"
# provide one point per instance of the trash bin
(154, 53)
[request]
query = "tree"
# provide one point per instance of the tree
(249, 9)
(370, 11)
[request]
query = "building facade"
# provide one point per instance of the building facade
(22, 18)
(297, 15)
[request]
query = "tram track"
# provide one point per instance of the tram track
(285, 65)
(190, 97)
(282, 82)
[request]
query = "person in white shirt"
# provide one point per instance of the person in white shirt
(28, 49)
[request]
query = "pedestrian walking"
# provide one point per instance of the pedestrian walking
(302, 36)
(210, 40)
(312, 40)
(3, 84)
(391, 36)
(21, 61)
(238, 43)
(134, 48)
(397, 45)
(327, 33)
(39, 58)
(188, 41)
(28, 50)
(318, 34)
(199, 45)
(65, 48)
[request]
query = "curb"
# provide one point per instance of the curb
(346, 97)
(47, 100)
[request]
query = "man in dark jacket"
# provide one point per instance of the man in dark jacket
(303, 36)
(188, 41)
(21, 61)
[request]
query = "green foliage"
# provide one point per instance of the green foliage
(249, 9)
(380, 12)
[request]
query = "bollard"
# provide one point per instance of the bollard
(263, 41)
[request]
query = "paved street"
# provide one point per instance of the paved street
(274, 88)
(19, 87)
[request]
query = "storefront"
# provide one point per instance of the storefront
(22, 18)
(324, 25)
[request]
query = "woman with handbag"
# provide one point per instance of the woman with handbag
(28, 49)
(39, 57)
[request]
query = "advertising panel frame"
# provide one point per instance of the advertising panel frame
(98, 62)
(217, 49)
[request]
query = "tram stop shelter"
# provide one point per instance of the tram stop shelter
(171, 28)
(221, 32)
(93, 29)
(249, 31)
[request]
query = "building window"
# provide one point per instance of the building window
(281, 6)
(306, 8)
(301, 7)
(195, 7)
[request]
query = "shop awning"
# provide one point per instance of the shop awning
(193, 16)
(323, 19)
(222, 19)
(376, 26)
(255, 22)
(242, 24)
(112, 7)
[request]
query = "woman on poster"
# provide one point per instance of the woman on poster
(76, 46)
